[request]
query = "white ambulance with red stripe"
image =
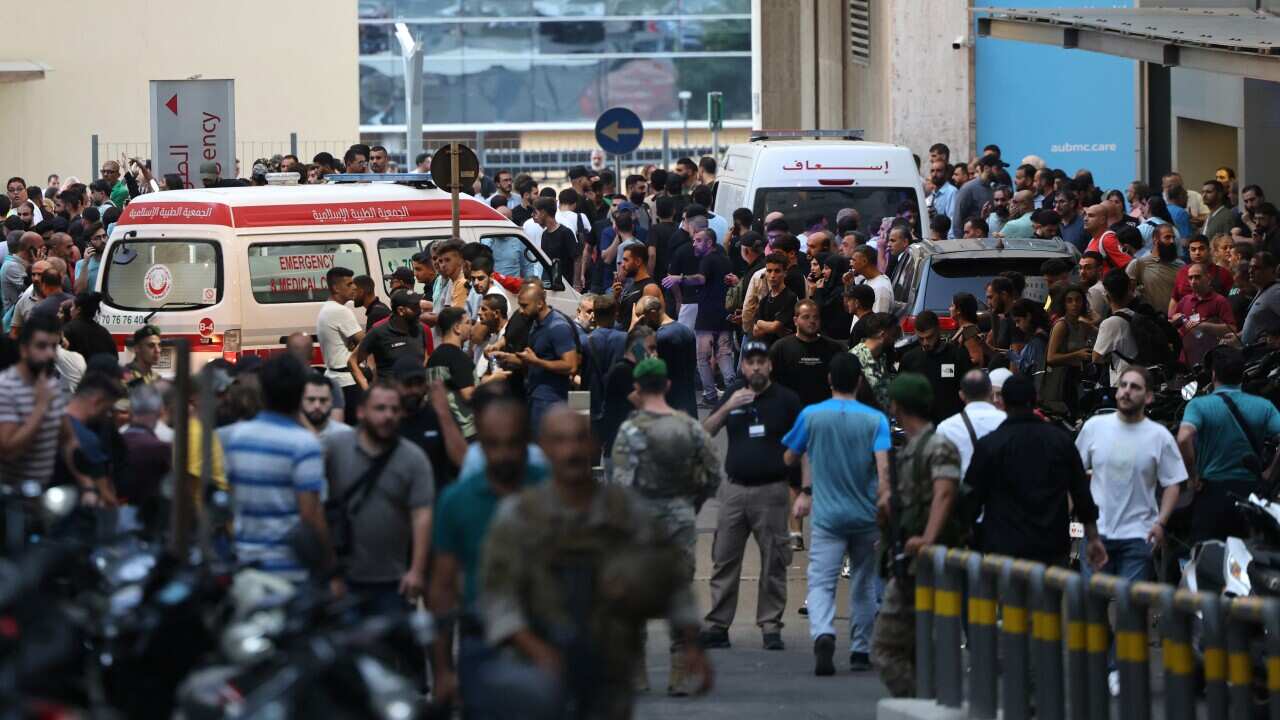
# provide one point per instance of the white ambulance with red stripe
(236, 270)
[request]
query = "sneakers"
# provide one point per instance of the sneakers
(804, 608)
(797, 542)
(845, 571)
(859, 662)
(772, 641)
(824, 650)
(678, 682)
(1113, 683)
(713, 638)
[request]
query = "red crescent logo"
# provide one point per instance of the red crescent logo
(157, 290)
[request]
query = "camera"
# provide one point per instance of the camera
(959, 42)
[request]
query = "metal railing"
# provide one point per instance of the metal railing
(1018, 631)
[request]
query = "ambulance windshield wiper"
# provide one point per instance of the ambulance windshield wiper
(173, 306)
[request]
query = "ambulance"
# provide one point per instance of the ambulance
(237, 270)
(805, 173)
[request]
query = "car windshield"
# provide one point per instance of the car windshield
(162, 274)
(799, 205)
(946, 277)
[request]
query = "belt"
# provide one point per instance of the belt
(340, 370)
(756, 483)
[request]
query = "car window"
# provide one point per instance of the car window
(946, 277)
(155, 274)
(394, 253)
(295, 272)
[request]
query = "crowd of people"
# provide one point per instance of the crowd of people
(435, 457)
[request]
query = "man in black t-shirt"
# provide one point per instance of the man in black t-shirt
(558, 242)
(428, 423)
(775, 317)
(942, 363)
(660, 235)
(401, 335)
(527, 190)
(711, 325)
(800, 361)
(684, 263)
(454, 327)
(756, 413)
(629, 284)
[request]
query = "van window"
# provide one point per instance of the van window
(798, 205)
(729, 198)
(295, 272)
(396, 253)
(155, 274)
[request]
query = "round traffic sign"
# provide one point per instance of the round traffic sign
(619, 131)
(442, 168)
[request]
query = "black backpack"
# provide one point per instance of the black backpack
(1156, 339)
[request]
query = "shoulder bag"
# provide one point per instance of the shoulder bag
(339, 511)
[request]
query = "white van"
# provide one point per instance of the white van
(235, 270)
(793, 173)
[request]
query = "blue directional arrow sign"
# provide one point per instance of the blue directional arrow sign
(619, 131)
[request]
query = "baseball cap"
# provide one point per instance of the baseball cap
(408, 367)
(404, 275)
(998, 376)
(754, 347)
(650, 367)
(209, 170)
(404, 298)
(992, 161)
(260, 168)
(752, 239)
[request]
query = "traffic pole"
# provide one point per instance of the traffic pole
(453, 189)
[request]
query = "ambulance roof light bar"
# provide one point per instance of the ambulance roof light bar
(848, 134)
(414, 179)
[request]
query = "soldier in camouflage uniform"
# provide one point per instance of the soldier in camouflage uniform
(927, 486)
(571, 572)
(667, 459)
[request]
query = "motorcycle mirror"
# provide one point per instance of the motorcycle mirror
(59, 500)
(1189, 390)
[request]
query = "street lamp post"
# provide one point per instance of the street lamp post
(684, 96)
(411, 51)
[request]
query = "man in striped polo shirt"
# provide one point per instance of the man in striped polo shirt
(276, 470)
(33, 424)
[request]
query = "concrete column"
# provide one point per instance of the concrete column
(782, 62)
(831, 22)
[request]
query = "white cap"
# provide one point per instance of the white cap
(998, 376)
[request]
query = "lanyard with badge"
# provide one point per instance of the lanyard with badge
(756, 428)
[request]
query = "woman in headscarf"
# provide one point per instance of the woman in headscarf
(828, 292)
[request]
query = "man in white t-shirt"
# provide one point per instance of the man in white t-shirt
(1131, 458)
(864, 266)
(1116, 344)
(978, 418)
(339, 333)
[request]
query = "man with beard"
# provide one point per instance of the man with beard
(799, 361)
(1220, 279)
(464, 512)
(429, 423)
(32, 407)
(317, 408)
(1156, 274)
(386, 488)
(756, 414)
(400, 336)
(300, 346)
(629, 285)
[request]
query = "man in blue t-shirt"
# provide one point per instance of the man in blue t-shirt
(847, 447)
(551, 358)
(1222, 453)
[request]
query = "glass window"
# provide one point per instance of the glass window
(797, 205)
(394, 253)
(295, 272)
(155, 274)
(946, 277)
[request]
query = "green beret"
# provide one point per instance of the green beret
(650, 367)
(913, 392)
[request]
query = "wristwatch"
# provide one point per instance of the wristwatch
(807, 490)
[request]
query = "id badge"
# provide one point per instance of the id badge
(948, 370)
(756, 431)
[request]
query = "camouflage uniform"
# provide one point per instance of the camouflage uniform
(574, 579)
(875, 370)
(926, 458)
(669, 462)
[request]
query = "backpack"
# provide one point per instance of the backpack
(1152, 334)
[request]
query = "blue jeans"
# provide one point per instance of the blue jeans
(1127, 559)
(718, 346)
(826, 551)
